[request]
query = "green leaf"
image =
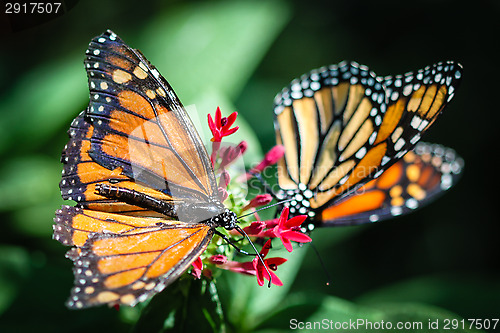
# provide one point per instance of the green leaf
(14, 268)
(187, 305)
(298, 305)
(28, 181)
(306, 312)
(214, 45)
(29, 188)
(57, 92)
(421, 318)
(468, 295)
(337, 309)
(313, 312)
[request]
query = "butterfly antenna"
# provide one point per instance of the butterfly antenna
(265, 207)
(258, 254)
(328, 277)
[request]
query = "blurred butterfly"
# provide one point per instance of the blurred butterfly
(146, 193)
(348, 136)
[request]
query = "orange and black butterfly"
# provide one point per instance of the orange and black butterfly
(350, 137)
(146, 193)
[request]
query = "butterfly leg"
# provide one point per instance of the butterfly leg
(232, 244)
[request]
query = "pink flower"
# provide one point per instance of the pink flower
(215, 150)
(231, 154)
(254, 267)
(259, 200)
(197, 268)
(221, 126)
(218, 259)
(246, 268)
(222, 193)
(272, 157)
(255, 228)
(260, 229)
(289, 230)
(271, 223)
(271, 264)
(224, 179)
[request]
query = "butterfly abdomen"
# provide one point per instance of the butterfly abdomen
(136, 198)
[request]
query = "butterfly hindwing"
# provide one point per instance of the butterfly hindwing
(123, 259)
(417, 179)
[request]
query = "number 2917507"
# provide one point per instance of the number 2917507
(32, 7)
(486, 324)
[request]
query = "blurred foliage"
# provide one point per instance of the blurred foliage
(439, 263)
(191, 306)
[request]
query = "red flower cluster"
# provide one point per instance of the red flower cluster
(257, 267)
(271, 264)
(287, 230)
(221, 126)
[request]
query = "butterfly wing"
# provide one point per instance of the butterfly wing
(417, 179)
(139, 125)
(134, 135)
(81, 175)
(123, 259)
(343, 126)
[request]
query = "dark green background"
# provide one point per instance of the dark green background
(443, 256)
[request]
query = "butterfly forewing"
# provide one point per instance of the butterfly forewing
(343, 125)
(140, 125)
(311, 115)
(81, 175)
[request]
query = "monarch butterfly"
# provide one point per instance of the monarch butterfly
(348, 136)
(146, 193)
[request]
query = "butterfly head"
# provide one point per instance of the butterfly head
(226, 219)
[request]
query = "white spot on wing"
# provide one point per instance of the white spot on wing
(395, 211)
(399, 144)
(361, 153)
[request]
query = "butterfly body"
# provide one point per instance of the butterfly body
(211, 213)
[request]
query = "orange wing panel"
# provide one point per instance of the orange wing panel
(123, 259)
(354, 205)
